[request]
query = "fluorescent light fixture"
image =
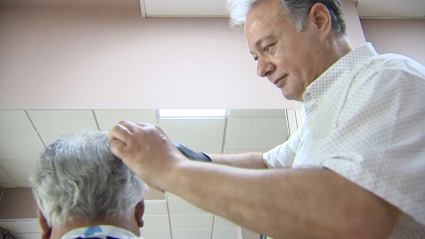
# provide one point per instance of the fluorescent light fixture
(193, 113)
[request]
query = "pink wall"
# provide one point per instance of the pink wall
(114, 59)
(404, 37)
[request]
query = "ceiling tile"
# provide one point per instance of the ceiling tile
(193, 234)
(4, 178)
(156, 223)
(27, 235)
(109, 118)
(50, 138)
(225, 233)
(62, 120)
(249, 234)
(23, 146)
(15, 121)
(182, 207)
(191, 221)
(155, 234)
(170, 195)
(220, 222)
(185, 8)
(19, 170)
(155, 207)
(258, 113)
(255, 133)
(394, 8)
(21, 225)
(198, 134)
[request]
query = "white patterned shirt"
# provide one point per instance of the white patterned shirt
(365, 120)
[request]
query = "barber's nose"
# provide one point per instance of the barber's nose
(265, 68)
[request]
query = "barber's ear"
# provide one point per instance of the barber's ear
(321, 19)
(45, 229)
(138, 213)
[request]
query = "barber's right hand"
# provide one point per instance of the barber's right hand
(191, 154)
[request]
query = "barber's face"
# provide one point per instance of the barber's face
(284, 55)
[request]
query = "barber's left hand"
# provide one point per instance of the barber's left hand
(146, 150)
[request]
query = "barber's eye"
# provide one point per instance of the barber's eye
(268, 48)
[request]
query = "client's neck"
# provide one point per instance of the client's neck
(57, 233)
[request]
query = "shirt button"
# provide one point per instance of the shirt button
(320, 101)
(310, 123)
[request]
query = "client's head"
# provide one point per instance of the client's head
(80, 183)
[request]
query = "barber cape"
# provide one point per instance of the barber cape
(99, 232)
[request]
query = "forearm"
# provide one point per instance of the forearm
(246, 160)
(286, 203)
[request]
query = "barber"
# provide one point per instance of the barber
(356, 167)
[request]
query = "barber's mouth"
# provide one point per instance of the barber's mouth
(280, 82)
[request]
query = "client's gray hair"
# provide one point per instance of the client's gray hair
(78, 178)
(296, 9)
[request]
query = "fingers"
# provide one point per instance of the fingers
(118, 148)
(120, 132)
(129, 125)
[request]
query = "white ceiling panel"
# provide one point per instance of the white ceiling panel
(109, 118)
(155, 234)
(391, 8)
(193, 234)
(15, 121)
(156, 223)
(23, 146)
(80, 4)
(28, 235)
(19, 170)
(258, 113)
(4, 179)
(62, 120)
(185, 8)
(191, 221)
(198, 134)
(222, 223)
(255, 133)
(155, 208)
(182, 207)
(225, 233)
(170, 195)
(21, 225)
(50, 138)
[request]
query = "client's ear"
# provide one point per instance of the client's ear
(45, 229)
(138, 213)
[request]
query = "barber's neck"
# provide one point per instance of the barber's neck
(129, 225)
(339, 47)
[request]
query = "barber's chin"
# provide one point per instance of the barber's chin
(289, 95)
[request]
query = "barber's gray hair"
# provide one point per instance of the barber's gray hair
(296, 9)
(78, 178)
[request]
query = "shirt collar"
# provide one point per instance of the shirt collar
(102, 231)
(339, 70)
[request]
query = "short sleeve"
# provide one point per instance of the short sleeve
(283, 156)
(379, 142)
